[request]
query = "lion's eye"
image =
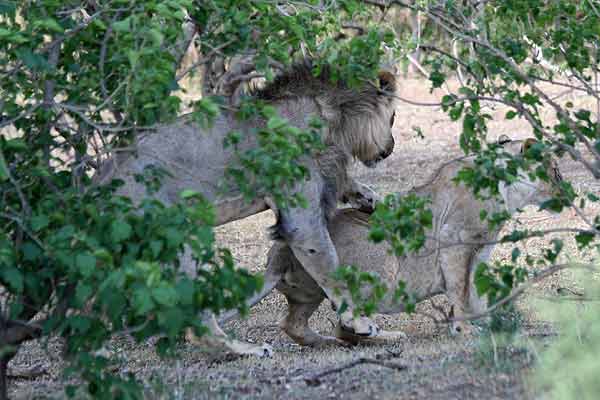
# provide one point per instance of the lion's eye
(392, 119)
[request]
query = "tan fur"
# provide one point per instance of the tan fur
(446, 263)
(357, 126)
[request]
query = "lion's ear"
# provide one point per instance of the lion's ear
(503, 139)
(387, 81)
(527, 144)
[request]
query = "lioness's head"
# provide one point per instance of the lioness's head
(525, 191)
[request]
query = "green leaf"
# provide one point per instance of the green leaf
(13, 277)
(16, 144)
(156, 247)
(142, 301)
(53, 25)
(174, 237)
(83, 292)
(120, 231)
(186, 194)
(31, 251)
(39, 222)
(156, 37)
(165, 295)
(437, 79)
(516, 252)
(185, 289)
(3, 169)
(483, 282)
(583, 115)
(133, 57)
(583, 239)
(172, 320)
(376, 234)
(122, 26)
(86, 264)
(553, 205)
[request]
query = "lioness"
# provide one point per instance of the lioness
(445, 264)
(358, 125)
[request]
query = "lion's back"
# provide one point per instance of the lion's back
(185, 154)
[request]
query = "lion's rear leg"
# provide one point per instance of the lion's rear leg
(216, 340)
(295, 324)
(306, 233)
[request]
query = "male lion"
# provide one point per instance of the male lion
(358, 124)
(445, 264)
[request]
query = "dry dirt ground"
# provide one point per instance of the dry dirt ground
(436, 365)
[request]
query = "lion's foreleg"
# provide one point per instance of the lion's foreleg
(455, 265)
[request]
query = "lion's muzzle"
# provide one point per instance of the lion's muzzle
(389, 149)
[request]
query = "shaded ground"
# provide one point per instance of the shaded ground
(437, 365)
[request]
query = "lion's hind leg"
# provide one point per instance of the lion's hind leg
(296, 326)
(216, 340)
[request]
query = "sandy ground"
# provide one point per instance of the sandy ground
(437, 366)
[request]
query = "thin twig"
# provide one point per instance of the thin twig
(381, 360)
(521, 289)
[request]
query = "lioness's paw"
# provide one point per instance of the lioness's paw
(266, 351)
(461, 328)
(363, 198)
(361, 326)
(382, 337)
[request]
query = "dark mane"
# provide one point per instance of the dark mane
(357, 118)
(300, 80)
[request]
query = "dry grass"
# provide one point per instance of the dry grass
(439, 366)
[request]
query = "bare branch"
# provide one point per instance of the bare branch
(24, 114)
(204, 60)
(16, 332)
(524, 287)
(381, 360)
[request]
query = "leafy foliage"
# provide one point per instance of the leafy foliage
(78, 83)
(358, 283)
(367, 291)
(274, 166)
(402, 221)
(566, 368)
(515, 54)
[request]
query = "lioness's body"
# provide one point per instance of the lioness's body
(358, 124)
(446, 263)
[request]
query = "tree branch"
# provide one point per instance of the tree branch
(381, 360)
